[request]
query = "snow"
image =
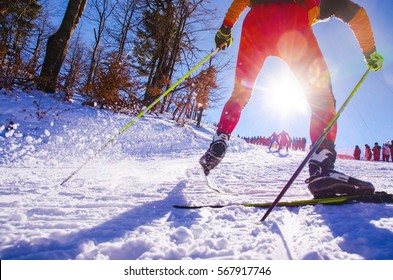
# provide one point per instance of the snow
(119, 206)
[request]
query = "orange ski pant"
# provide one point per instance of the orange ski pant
(281, 30)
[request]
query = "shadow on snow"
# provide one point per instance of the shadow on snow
(115, 228)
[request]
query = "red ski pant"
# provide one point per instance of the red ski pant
(281, 30)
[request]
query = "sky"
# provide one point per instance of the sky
(277, 106)
(367, 119)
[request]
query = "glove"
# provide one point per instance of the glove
(374, 60)
(223, 37)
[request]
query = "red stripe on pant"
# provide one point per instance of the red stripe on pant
(281, 30)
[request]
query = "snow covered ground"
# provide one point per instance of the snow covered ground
(120, 205)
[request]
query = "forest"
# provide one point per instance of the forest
(123, 56)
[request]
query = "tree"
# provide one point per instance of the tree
(74, 68)
(126, 15)
(160, 34)
(112, 79)
(113, 82)
(101, 11)
(17, 19)
(167, 46)
(195, 93)
(57, 46)
(35, 43)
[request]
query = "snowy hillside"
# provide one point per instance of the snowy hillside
(120, 205)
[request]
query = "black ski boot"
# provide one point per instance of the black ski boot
(324, 181)
(215, 153)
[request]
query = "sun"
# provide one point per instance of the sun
(287, 94)
(282, 93)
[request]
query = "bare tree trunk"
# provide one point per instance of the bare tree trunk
(199, 116)
(174, 55)
(179, 106)
(73, 64)
(126, 26)
(57, 46)
(104, 9)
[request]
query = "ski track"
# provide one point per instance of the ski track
(120, 205)
(106, 213)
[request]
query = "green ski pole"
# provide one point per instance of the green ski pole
(314, 148)
(137, 117)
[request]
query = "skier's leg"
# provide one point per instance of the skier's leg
(250, 60)
(249, 63)
(312, 72)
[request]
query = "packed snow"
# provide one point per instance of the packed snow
(120, 204)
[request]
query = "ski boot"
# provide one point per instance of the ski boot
(325, 182)
(215, 153)
(335, 184)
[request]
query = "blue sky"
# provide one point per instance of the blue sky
(368, 118)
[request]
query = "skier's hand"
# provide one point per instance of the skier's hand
(223, 37)
(374, 60)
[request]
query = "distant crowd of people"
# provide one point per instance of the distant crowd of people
(279, 141)
(376, 153)
(283, 140)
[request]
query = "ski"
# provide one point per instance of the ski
(377, 197)
(209, 182)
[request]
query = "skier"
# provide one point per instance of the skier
(285, 140)
(367, 152)
(283, 28)
(385, 152)
(357, 152)
(376, 152)
(295, 143)
(304, 142)
(391, 150)
(273, 139)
